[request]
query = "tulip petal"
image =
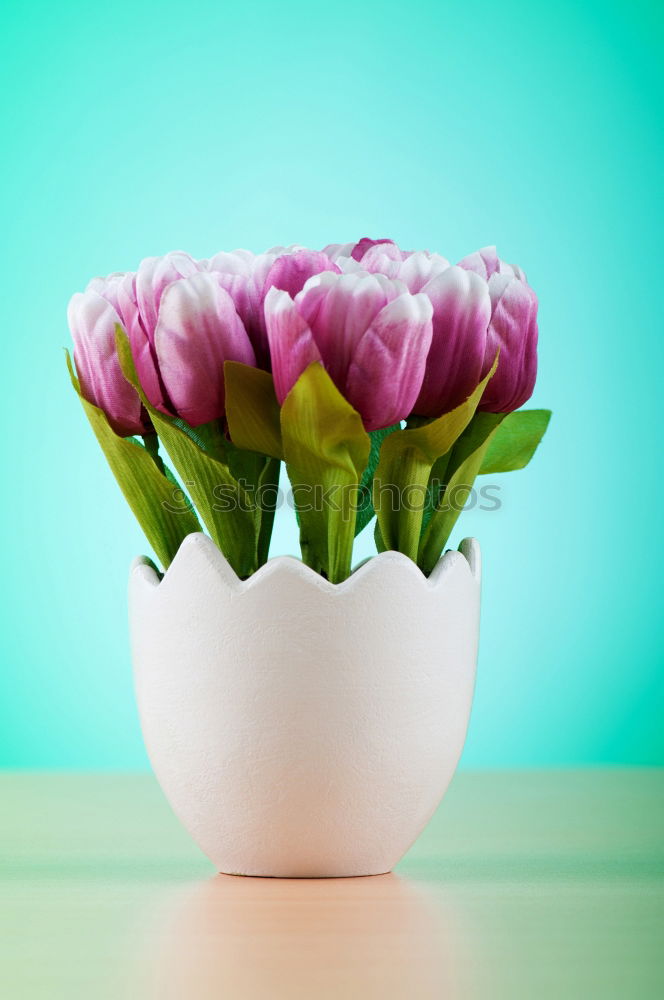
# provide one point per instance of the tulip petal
(513, 329)
(142, 349)
(292, 346)
(291, 271)
(513, 270)
(119, 289)
(197, 330)
(376, 261)
(347, 265)
(461, 314)
(92, 321)
(244, 276)
(241, 290)
(386, 372)
(232, 262)
(339, 309)
(362, 246)
(419, 268)
(153, 277)
(335, 250)
(484, 262)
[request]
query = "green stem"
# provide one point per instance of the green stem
(405, 493)
(269, 482)
(151, 442)
(341, 534)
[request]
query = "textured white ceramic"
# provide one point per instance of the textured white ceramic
(300, 728)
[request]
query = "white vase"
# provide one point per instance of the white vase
(300, 728)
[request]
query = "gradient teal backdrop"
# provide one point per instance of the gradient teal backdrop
(131, 129)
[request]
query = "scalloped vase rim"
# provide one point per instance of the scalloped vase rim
(468, 553)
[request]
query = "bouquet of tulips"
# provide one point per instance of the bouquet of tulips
(385, 380)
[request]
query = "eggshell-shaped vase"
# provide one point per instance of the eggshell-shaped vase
(300, 728)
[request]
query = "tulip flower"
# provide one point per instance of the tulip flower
(459, 333)
(197, 330)
(93, 316)
(385, 257)
(357, 251)
(243, 275)
(400, 334)
(192, 324)
(459, 352)
(512, 330)
(182, 325)
(363, 246)
(248, 277)
(371, 335)
(153, 277)
(291, 271)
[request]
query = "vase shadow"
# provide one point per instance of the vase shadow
(376, 937)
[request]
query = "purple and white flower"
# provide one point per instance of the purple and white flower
(512, 331)
(93, 316)
(371, 335)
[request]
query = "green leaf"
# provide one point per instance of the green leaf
(516, 441)
(227, 511)
(463, 464)
(326, 449)
(259, 477)
(406, 460)
(436, 481)
(257, 473)
(268, 485)
(366, 510)
(378, 539)
(165, 517)
(209, 437)
(252, 409)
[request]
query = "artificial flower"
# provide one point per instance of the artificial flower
(512, 331)
(93, 316)
(371, 335)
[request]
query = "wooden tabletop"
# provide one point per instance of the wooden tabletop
(525, 885)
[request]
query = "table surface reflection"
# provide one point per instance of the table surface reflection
(524, 885)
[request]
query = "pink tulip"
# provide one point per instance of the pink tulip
(356, 251)
(455, 364)
(93, 316)
(362, 248)
(385, 257)
(153, 277)
(197, 330)
(291, 271)
(486, 262)
(371, 335)
(182, 326)
(248, 277)
(414, 269)
(336, 250)
(243, 275)
(191, 324)
(512, 329)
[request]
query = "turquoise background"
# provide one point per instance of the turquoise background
(133, 129)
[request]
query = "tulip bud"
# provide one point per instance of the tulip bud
(512, 331)
(93, 316)
(244, 276)
(197, 330)
(370, 334)
(291, 271)
(363, 246)
(461, 312)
